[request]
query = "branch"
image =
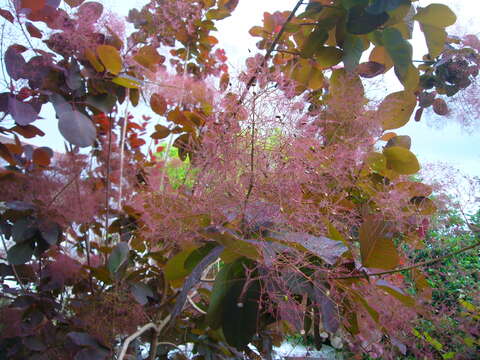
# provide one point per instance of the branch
(420, 264)
(251, 81)
(157, 328)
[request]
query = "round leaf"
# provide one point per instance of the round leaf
(396, 109)
(110, 57)
(440, 107)
(158, 104)
(438, 15)
(20, 253)
(401, 160)
(77, 128)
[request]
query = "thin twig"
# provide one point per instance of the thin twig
(251, 81)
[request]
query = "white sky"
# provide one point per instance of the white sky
(450, 143)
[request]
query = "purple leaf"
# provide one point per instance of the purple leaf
(22, 113)
(77, 128)
(14, 62)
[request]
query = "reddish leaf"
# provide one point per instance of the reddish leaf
(74, 3)
(418, 114)
(7, 15)
(161, 132)
(376, 246)
(370, 69)
(27, 131)
(90, 11)
(6, 154)
(440, 107)
(158, 104)
(33, 31)
(42, 156)
(34, 5)
(148, 57)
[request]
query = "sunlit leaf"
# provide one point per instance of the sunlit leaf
(436, 38)
(328, 56)
(437, 15)
(110, 57)
(92, 58)
(127, 81)
(401, 160)
(396, 109)
(148, 57)
(380, 55)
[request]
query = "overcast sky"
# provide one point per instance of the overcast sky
(448, 143)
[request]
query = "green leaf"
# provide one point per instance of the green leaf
(328, 56)
(396, 293)
(378, 6)
(436, 38)
(20, 253)
(233, 243)
(437, 15)
(314, 42)
(197, 255)
(241, 312)
(352, 52)
(77, 128)
(376, 161)
(127, 81)
(227, 276)
(110, 57)
(401, 160)
(175, 267)
(118, 257)
(399, 49)
(396, 109)
(376, 248)
(360, 22)
(403, 141)
(102, 102)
